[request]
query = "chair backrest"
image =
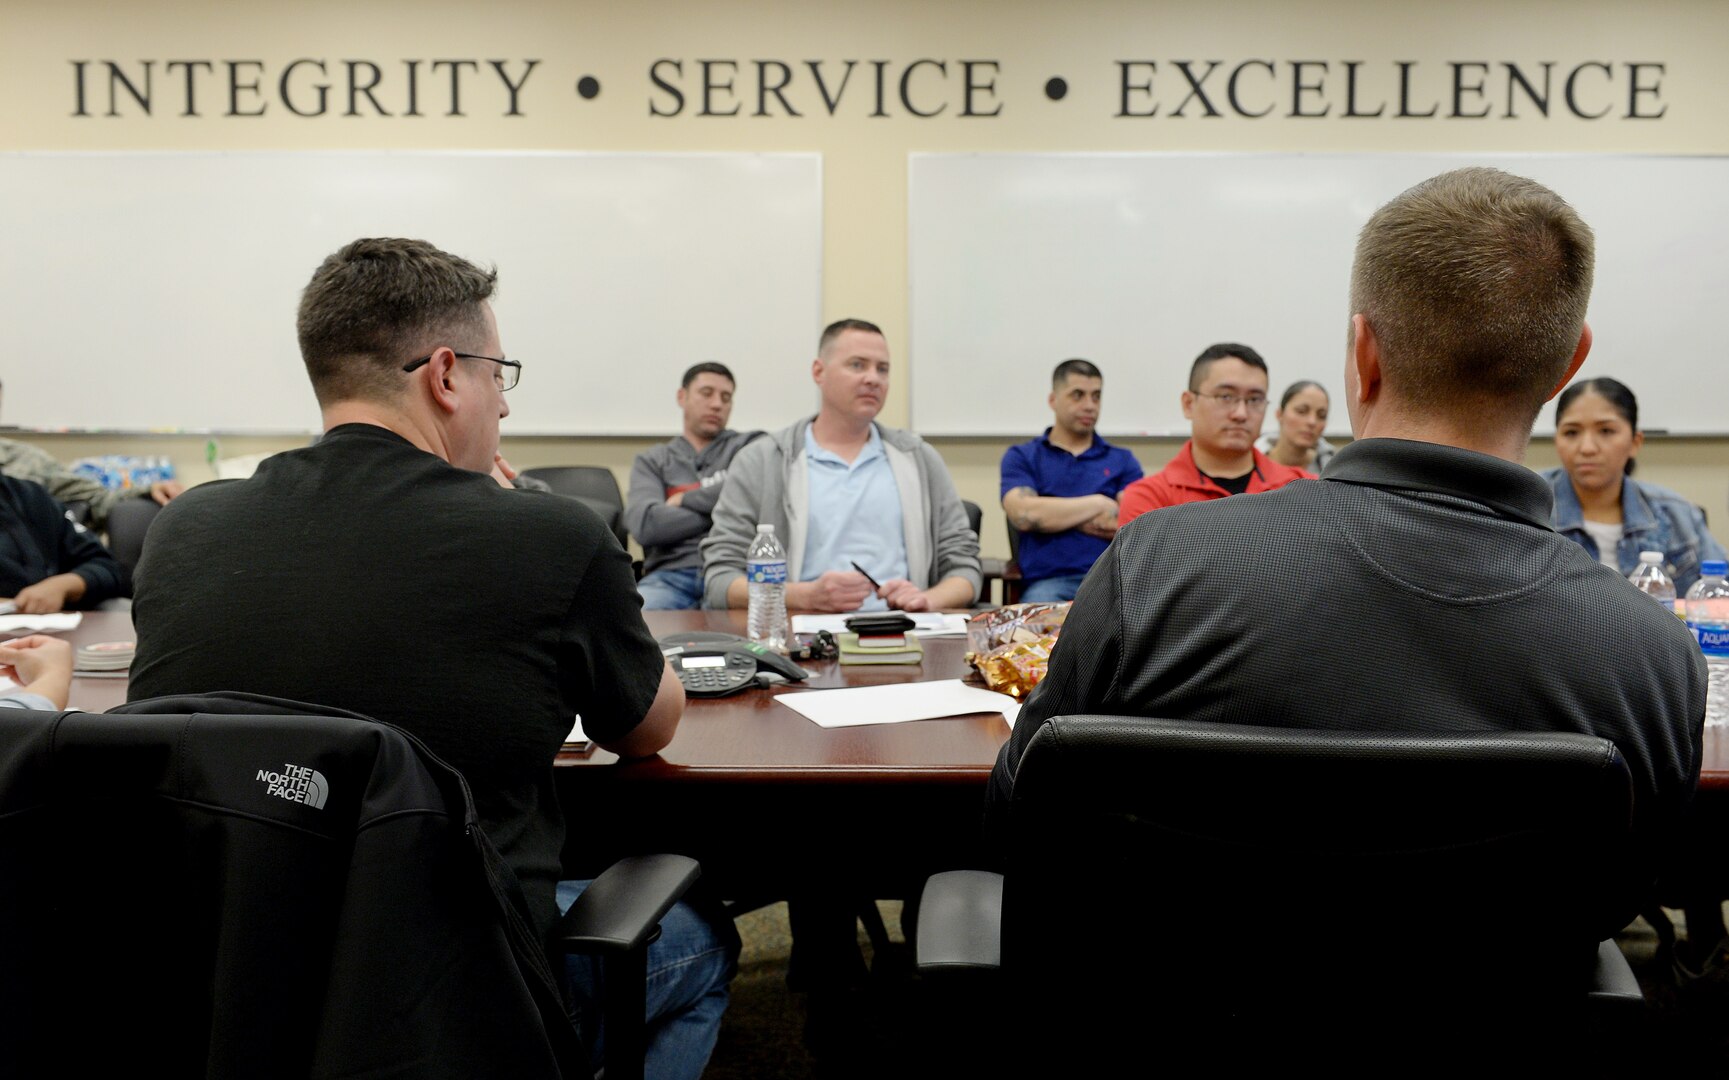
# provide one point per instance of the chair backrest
(975, 515)
(1250, 871)
(128, 524)
(296, 894)
(594, 485)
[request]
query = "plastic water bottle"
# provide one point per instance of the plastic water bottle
(1708, 616)
(1650, 579)
(765, 570)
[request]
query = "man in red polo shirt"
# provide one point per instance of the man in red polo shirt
(1224, 404)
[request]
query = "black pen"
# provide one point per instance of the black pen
(874, 583)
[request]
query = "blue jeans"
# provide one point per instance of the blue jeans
(671, 590)
(689, 968)
(1052, 588)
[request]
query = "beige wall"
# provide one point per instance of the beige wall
(864, 156)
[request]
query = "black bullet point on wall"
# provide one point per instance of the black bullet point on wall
(588, 86)
(1056, 89)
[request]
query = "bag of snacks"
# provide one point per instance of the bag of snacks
(1011, 646)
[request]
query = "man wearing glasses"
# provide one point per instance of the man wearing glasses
(1224, 404)
(383, 571)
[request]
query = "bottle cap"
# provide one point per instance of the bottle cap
(1714, 568)
(1655, 558)
(765, 528)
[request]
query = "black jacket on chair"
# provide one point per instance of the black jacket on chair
(217, 894)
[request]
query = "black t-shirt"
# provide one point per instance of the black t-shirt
(1235, 485)
(366, 574)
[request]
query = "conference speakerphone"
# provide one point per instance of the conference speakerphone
(714, 664)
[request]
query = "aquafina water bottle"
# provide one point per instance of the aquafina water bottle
(1708, 616)
(765, 570)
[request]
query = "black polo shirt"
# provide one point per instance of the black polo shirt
(1416, 588)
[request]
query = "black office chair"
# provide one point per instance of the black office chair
(992, 569)
(1203, 892)
(1012, 571)
(594, 485)
(128, 523)
(241, 887)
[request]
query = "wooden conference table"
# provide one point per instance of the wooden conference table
(773, 804)
(770, 803)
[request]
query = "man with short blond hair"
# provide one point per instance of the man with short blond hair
(1479, 343)
(1418, 587)
(845, 492)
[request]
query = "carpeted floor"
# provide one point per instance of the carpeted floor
(764, 1032)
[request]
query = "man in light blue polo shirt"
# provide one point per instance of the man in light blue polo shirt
(1060, 490)
(844, 493)
(855, 514)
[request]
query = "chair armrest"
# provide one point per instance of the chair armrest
(1612, 981)
(622, 909)
(960, 922)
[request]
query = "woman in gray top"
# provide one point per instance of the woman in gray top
(1302, 418)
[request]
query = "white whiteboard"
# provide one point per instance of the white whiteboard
(1139, 261)
(146, 291)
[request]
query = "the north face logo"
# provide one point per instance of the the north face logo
(296, 783)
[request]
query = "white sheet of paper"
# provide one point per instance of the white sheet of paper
(898, 703)
(925, 624)
(40, 624)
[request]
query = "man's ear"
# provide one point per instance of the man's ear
(1579, 353)
(816, 370)
(440, 376)
(1366, 357)
(1188, 404)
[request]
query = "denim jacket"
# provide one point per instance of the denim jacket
(1652, 519)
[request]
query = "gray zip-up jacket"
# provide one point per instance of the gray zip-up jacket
(768, 484)
(669, 535)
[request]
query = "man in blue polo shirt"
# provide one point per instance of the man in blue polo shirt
(1060, 490)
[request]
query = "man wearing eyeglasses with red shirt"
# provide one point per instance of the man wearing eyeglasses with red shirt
(1224, 404)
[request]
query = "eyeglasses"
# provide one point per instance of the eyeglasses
(509, 372)
(1228, 401)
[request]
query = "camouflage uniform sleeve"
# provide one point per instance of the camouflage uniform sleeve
(25, 462)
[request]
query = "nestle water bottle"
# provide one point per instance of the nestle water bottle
(765, 570)
(1708, 616)
(1650, 579)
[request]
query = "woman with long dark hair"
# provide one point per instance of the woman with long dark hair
(1599, 504)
